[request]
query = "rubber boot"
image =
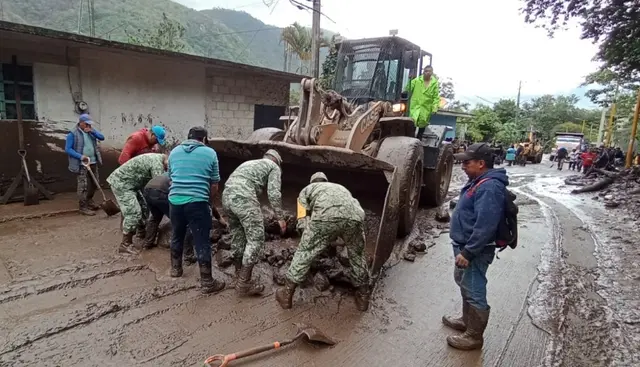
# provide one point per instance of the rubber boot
(237, 264)
(84, 209)
(92, 205)
(151, 233)
(472, 338)
(189, 255)
(459, 323)
(126, 246)
(141, 232)
(362, 298)
(176, 264)
(284, 295)
(244, 285)
(207, 283)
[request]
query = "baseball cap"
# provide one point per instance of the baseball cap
(273, 153)
(159, 132)
(477, 151)
(318, 176)
(197, 133)
(86, 118)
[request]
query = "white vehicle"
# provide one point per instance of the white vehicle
(569, 141)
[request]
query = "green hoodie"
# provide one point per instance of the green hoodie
(424, 100)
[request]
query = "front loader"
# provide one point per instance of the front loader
(360, 136)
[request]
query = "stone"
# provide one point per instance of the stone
(321, 282)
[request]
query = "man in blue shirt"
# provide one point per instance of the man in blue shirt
(474, 225)
(193, 169)
(83, 151)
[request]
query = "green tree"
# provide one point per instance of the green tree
(168, 35)
(506, 110)
(484, 124)
(509, 133)
(615, 24)
(329, 65)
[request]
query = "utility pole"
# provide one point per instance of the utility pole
(92, 22)
(634, 132)
(518, 101)
(601, 129)
(315, 40)
(612, 117)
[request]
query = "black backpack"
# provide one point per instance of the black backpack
(507, 234)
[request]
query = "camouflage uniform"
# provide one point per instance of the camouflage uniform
(334, 213)
(240, 202)
(127, 180)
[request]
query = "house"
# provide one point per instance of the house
(124, 87)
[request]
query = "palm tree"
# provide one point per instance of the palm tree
(297, 39)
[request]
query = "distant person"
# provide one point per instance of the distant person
(587, 160)
(573, 159)
(474, 227)
(562, 154)
(511, 155)
(424, 100)
(141, 142)
(82, 147)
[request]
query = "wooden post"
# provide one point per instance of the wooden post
(634, 131)
(610, 128)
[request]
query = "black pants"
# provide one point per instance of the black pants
(158, 204)
(420, 133)
(196, 216)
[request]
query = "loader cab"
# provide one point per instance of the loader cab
(376, 69)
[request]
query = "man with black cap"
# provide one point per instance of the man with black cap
(194, 174)
(474, 225)
(240, 202)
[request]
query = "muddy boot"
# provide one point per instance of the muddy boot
(472, 338)
(176, 265)
(141, 231)
(362, 298)
(126, 246)
(92, 205)
(244, 285)
(284, 295)
(237, 264)
(84, 209)
(189, 255)
(207, 283)
(459, 323)
(151, 233)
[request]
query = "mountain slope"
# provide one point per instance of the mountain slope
(217, 33)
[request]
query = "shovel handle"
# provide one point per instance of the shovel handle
(225, 359)
(23, 154)
(87, 166)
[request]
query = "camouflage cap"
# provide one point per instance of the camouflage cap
(274, 154)
(318, 176)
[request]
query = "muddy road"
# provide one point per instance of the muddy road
(560, 299)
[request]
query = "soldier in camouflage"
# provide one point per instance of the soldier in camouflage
(126, 181)
(334, 213)
(240, 202)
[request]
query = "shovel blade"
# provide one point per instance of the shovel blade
(314, 334)
(31, 196)
(110, 208)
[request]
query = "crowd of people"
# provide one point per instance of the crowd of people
(584, 158)
(182, 185)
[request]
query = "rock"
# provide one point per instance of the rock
(343, 256)
(453, 203)
(419, 247)
(410, 256)
(612, 204)
(224, 242)
(279, 276)
(608, 197)
(224, 258)
(215, 235)
(442, 214)
(266, 254)
(273, 259)
(321, 282)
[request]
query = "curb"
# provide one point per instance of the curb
(37, 215)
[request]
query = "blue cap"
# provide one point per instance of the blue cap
(159, 132)
(86, 118)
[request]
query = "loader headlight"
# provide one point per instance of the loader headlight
(399, 107)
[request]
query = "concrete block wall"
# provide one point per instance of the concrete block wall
(231, 101)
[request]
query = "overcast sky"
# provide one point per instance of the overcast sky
(484, 46)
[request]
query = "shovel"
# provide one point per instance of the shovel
(31, 193)
(108, 206)
(306, 332)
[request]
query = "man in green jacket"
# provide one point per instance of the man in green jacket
(425, 99)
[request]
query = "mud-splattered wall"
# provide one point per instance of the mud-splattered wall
(125, 91)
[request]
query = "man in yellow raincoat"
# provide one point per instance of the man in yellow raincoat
(425, 99)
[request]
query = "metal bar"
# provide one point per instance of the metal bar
(14, 62)
(610, 127)
(634, 132)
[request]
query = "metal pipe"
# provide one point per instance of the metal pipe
(634, 131)
(610, 127)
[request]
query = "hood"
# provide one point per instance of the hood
(191, 145)
(496, 174)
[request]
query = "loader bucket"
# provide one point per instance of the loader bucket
(370, 180)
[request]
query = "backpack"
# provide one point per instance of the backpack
(507, 233)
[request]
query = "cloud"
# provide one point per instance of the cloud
(484, 46)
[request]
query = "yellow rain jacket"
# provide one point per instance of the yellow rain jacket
(424, 99)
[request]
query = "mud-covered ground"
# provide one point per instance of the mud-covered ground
(568, 296)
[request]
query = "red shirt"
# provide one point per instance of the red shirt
(135, 145)
(587, 159)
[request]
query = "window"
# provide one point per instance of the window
(24, 75)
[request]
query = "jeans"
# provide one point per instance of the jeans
(196, 216)
(473, 279)
(158, 203)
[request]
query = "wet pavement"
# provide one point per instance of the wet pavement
(567, 296)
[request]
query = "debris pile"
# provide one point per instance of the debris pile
(615, 188)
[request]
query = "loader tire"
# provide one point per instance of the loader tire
(436, 182)
(267, 133)
(406, 154)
